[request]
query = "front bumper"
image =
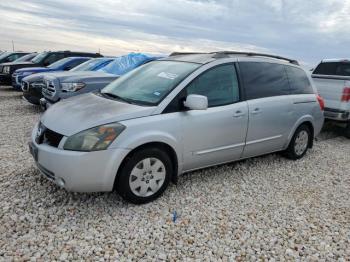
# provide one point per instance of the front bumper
(16, 81)
(337, 115)
(78, 171)
(5, 79)
(31, 94)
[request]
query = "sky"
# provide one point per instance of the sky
(308, 31)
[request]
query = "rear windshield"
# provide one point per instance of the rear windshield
(333, 68)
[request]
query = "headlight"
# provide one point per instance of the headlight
(6, 69)
(94, 139)
(72, 87)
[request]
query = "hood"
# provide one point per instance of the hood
(80, 76)
(34, 69)
(73, 115)
(34, 77)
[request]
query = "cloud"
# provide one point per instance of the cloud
(305, 30)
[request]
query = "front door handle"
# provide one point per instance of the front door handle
(256, 111)
(238, 114)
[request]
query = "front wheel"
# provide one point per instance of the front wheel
(144, 176)
(299, 144)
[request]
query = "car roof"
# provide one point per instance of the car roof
(204, 58)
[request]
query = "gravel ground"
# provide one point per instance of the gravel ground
(266, 208)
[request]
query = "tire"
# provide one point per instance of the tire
(144, 176)
(299, 144)
(347, 131)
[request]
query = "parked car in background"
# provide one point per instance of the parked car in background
(64, 64)
(32, 85)
(332, 79)
(11, 56)
(174, 115)
(42, 59)
(26, 58)
(65, 86)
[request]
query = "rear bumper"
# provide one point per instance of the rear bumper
(336, 114)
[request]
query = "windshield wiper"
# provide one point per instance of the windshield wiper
(116, 97)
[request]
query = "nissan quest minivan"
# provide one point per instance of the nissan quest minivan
(185, 112)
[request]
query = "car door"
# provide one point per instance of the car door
(270, 107)
(217, 134)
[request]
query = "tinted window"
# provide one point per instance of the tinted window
(53, 58)
(219, 84)
(333, 68)
(299, 82)
(264, 79)
(75, 63)
(13, 57)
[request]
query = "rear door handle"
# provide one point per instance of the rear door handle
(238, 114)
(256, 111)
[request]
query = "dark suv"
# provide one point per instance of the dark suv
(43, 59)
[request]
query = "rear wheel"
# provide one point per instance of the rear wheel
(299, 144)
(145, 176)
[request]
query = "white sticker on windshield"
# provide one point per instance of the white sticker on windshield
(156, 93)
(167, 75)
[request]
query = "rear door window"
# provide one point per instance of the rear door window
(299, 82)
(262, 79)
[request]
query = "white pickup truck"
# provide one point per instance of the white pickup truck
(332, 79)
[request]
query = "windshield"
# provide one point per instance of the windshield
(4, 55)
(25, 58)
(91, 65)
(59, 63)
(150, 83)
(39, 57)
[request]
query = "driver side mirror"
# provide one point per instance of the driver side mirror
(196, 102)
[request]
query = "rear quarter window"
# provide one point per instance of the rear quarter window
(262, 79)
(298, 80)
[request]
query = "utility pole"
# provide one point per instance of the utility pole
(13, 46)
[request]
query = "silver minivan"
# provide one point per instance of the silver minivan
(174, 115)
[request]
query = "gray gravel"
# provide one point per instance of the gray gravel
(267, 208)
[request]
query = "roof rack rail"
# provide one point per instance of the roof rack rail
(187, 53)
(292, 61)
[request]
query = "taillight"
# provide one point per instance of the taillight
(321, 102)
(346, 95)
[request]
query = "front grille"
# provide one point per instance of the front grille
(49, 89)
(47, 136)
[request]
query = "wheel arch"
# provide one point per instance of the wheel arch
(160, 145)
(303, 121)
